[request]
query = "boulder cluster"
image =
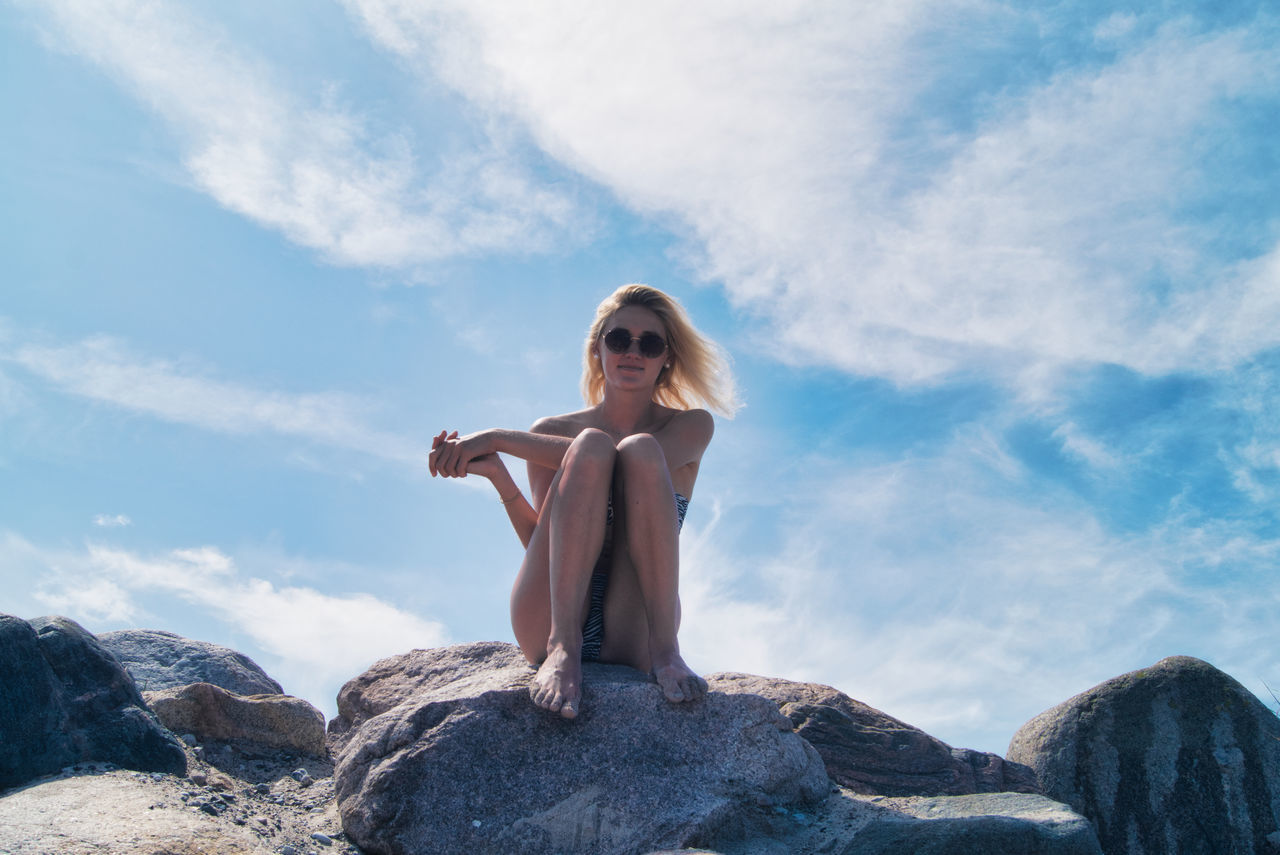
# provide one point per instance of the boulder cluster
(441, 751)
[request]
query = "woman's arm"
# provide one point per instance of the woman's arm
(686, 437)
(521, 514)
(544, 446)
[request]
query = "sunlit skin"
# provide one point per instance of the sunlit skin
(645, 453)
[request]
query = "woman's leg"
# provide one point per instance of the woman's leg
(549, 599)
(642, 606)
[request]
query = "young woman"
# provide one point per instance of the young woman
(609, 487)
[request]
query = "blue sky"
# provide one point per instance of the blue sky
(1001, 284)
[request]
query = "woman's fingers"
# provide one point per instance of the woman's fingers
(442, 459)
(446, 458)
(433, 459)
(451, 455)
(452, 459)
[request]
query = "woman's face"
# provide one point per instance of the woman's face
(632, 369)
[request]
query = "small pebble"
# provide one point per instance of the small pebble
(475, 823)
(322, 839)
(189, 738)
(302, 776)
(263, 789)
(209, 809)
(199, 778)
(288, 850)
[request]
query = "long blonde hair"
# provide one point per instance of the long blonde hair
(699, 369)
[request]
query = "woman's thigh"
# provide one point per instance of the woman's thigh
(531, 598)
(626, 620)
(531, 592)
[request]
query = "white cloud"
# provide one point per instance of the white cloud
(315, 173)
(112, 520)
(93, 600)
(103, 369)
(965, 600)
(1080, 445)
(336, 635)
(781, 137)
(311, 641)
(1253, 397)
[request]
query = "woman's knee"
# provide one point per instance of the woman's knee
(591, 450)
(641, 453)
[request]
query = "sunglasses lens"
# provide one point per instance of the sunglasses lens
(651, 345)
(618, 340)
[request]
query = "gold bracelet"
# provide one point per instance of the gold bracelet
(509, 501)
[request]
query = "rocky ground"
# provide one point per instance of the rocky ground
(258, 806)
(474, 767)
(285, 806)
(228, 802)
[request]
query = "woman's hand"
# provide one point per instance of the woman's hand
(487, 466)
(451, 455)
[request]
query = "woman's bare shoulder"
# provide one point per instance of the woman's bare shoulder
(696, 421)
(568, 424)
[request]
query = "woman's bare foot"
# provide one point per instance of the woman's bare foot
(677, 680)
(558, 684)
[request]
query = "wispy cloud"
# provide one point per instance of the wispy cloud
(294, 162)
(104, 369)
(1024, 219)
(313, 641)
(112, 520)
(966, 600)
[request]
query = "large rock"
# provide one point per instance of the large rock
(209, 712)
(1176, 758)
(873, 753)
(444, 752)
(113, 814)
(980, 824)
(463, 668)
(65, 699)
(164, 660)
(965, 825)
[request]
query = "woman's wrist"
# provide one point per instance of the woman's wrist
(505, 485)
(491, 440)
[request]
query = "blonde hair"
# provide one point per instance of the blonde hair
(699, 369)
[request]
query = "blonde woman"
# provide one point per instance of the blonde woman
(609, 488)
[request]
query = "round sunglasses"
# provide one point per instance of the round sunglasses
(619, 340)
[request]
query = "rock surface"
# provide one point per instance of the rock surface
(164, 660)
(875, 754)
(95, 809)
(209, 712)
(980, 823)
(492, 665)
(464, 762)
(65, 699)
(450, 736)
(1176, 758)
(851, 824)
